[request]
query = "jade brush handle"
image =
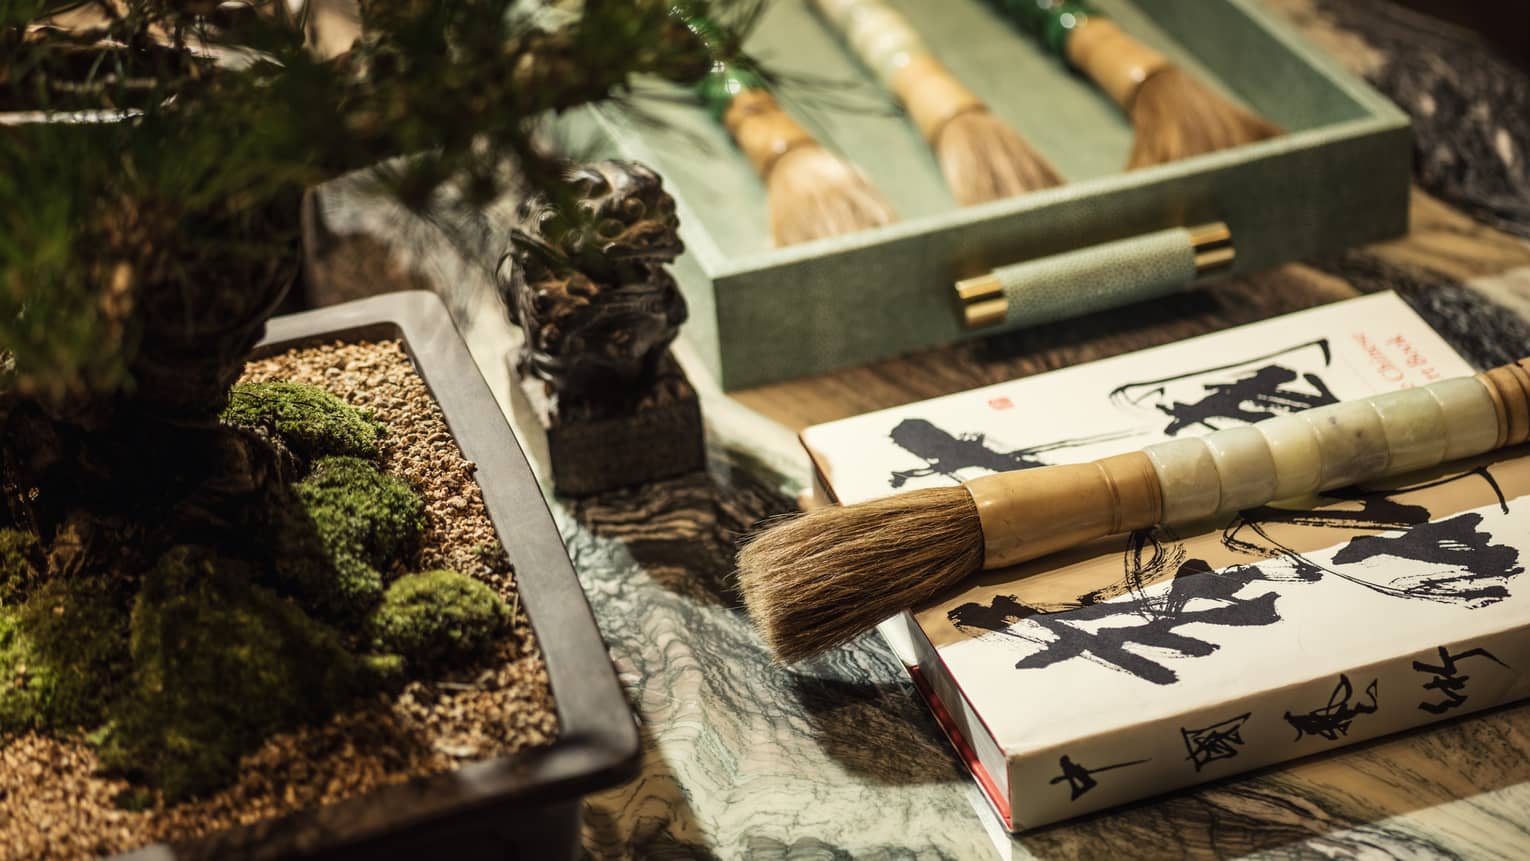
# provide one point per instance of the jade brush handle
(887, 44)
(879, 35)
(1030, 513)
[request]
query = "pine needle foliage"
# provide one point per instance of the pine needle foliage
(182, 132)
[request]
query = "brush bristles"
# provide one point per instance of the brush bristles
(1176, 116)
(821, 578)
(813, 193)
(984, 159)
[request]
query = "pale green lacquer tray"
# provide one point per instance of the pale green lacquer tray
(1338, 178)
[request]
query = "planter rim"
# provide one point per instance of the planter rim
(597, 743)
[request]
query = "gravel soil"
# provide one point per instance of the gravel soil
(54, 805)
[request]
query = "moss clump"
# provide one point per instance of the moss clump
(18, 565)
(353, 502)
(18, 698)
(219, 664)
(437, 617)
(350, 521)
(62, 655)
(309, 420)
(182, 671)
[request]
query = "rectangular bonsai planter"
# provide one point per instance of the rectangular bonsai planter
(524, 806)
(1337, 178)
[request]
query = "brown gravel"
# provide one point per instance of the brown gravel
(53, 805)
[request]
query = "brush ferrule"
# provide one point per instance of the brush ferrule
(887, 43)
(1508, 388)
(1029, 513)
(932, 95)
(763, 130)
(1115, 61)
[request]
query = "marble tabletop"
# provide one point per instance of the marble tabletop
(837, 758)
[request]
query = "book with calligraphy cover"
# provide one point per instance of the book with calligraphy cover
(1157, 660)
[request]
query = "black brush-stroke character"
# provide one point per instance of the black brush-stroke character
(1471, 570)
(947, 454)
(1218, 741)
(1448, 681)
(1333, 720)
(1196, 596)
(1131, 629)
(1475, 569)
(1080, 779)
(1263, 394)
(1238, 393)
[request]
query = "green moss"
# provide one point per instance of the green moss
(309, 420)
(438, 617)
(219, 665)
(354, 502)
(62, 656)
(210, 658)
(18, 568)
(387, 669)
(20, 687)
(348, 523)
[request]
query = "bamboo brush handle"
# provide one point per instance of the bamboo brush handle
(763, 130)
(1091, 43)
(1114, 60)
(738, 98)
(889, 45)
(1030, 513)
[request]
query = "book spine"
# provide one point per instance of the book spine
(1363, 702)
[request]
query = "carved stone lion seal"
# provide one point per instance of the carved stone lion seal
(587, 283)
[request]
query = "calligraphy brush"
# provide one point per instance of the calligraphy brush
(1174, 115)
(810, 191)
(982, 158)
(817, 580)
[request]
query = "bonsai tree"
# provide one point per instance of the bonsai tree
(148, 228)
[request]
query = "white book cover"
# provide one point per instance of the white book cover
(1161, 659)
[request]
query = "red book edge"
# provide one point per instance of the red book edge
(943, 718)
(964, 750)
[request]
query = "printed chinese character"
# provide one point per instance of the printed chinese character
(1333, 720)
(1081, 780)
(1218, 741)
(1448, 681)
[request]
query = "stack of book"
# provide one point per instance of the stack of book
(1148, 662)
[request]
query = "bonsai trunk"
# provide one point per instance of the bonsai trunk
(107, 482)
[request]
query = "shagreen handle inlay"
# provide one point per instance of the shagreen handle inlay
(889, 45)
(1084, 280)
